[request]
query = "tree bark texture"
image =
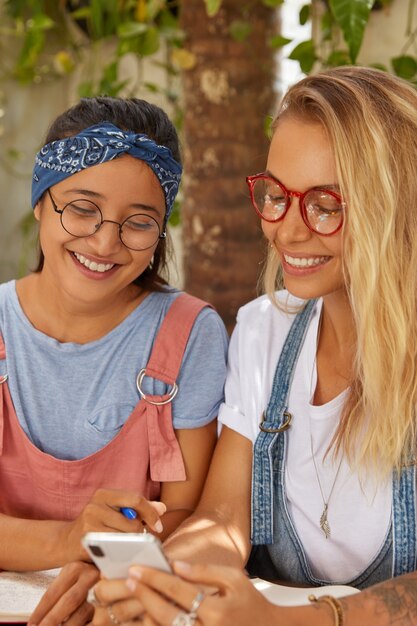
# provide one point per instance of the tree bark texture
(227, 96)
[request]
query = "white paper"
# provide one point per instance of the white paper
(20, 592)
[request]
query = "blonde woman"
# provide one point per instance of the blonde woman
(315, 466)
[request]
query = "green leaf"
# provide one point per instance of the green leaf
(112, 89)
(175, 217)
(131, 29)
(278, 41)
(166, 18)
(338, 57)
(152, 87)
(304, 15)
(154, 7)
(167, 66)
(352, 17)
(97, 21)
(110, 72)
(212, 7)
(33, 44)
(40, 22)
(305, 54)
(268, 126)
(240, 30)
(379, 66)
(81, 14)
(404, 66)
(272, 4)
(326, 24)
(148, 43)
(86, 89)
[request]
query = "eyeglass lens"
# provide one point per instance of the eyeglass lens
(82, 218)
(322, 210)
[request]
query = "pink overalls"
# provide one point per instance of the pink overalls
(145, 452)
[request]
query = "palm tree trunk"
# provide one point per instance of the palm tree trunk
(227, 96)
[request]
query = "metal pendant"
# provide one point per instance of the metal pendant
(324, 524)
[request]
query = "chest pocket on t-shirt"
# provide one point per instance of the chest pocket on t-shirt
(110, 418)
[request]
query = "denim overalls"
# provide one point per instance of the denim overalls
(277, 551)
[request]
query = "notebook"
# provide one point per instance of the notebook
(20, 592)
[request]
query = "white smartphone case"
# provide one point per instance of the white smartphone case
(114, 553)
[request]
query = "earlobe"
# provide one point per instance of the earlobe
(37, 211)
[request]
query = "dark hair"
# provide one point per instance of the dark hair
(131, 114)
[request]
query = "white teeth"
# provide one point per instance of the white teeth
(92, 265)
(305, 262)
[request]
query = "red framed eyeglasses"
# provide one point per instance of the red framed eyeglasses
(322, 209)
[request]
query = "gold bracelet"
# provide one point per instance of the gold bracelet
(335, 606)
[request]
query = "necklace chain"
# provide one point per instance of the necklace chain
(324, 522)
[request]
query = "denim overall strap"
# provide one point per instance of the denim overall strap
(404, 521)
(268, 449)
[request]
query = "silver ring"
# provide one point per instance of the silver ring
(195, 604)
(171, 394)
(184, 619)
(92, 598)
(112, 616)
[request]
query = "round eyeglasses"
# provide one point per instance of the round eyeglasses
(83, 218)
(322, 209)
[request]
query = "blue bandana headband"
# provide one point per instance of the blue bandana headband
(97, 144)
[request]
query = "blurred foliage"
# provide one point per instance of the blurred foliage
(74, 29)
(50, 39)
(339, 32)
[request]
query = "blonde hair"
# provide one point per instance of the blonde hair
(371, 121)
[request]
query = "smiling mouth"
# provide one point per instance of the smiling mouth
(92, 265)
(304, 261)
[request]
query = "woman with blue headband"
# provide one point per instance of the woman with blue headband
(110, 379)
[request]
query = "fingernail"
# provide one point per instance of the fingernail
(131, 584)
(158, 526)
(182, 566)
(136, 572)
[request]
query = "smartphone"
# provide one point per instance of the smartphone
(114, 553)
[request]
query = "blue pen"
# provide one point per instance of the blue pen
(128, 512)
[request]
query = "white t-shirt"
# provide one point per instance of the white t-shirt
(359, 509)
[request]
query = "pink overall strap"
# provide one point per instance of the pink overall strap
(171, 341)
(166, 463)
(2, 380)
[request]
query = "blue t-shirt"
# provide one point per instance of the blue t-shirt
(72, 399)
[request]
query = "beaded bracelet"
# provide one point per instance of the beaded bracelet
(335, 606)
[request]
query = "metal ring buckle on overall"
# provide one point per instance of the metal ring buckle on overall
(171, 394)
(279, 429)
(3, 379)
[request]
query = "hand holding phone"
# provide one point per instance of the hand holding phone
(114, 553)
